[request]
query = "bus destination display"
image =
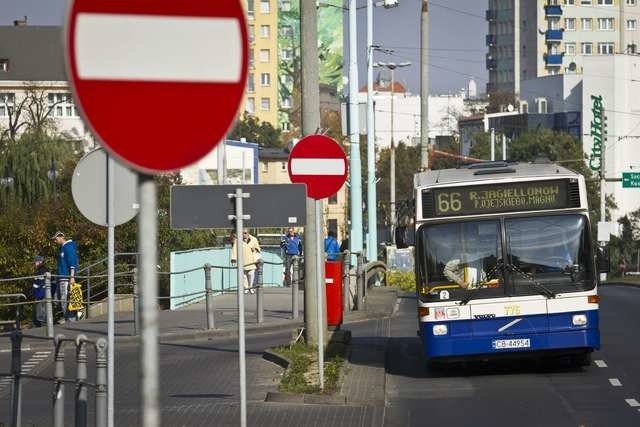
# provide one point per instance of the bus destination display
(492, 198)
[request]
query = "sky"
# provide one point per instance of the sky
(457, 37)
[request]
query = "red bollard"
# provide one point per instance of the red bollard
(333, 275)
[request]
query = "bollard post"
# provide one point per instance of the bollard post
(259, 292)
(47, 304)
(346, 281)
(16, 387)
(359, 284)
(81, 379)
(101, 382)
(88, 315)
(294, 287)
(209, 297)
(58, 385)
(136, 308)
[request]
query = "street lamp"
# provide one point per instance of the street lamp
(392, 172)
(52, 174)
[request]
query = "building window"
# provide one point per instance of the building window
(283, 167)
(287, 102)
(586, 48)
(265, 79)
(265, 31)
(632, 48)
(631, 2)
(286, 54)
(250, 106)
(285, 126)
(585, 2)
(569, 2)
(542, 105)
(286, 79)
(570, 24)
(524, 107)
(250, 9)
(4, 65)
(587, 24)
(252, 33)
(265, 104)
(251, 84)
(605, 48)
(265, 55)
(265, 6)
(605, 24)
(570, 48)
(286, 31)
(265, 167)
(333, 200)
(252, 59)
(605, 2)
(7, 102)
(286, 6)
(632, 24)
(61, 105)
(554, 23)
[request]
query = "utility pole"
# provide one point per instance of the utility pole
(424, 86)
(504, 147)
(355, 191)
(372, 203)
(310, 124)
(493, 144)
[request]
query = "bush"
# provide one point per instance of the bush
(406, 281)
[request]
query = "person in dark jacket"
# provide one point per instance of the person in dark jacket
(291, 244)
(39, 313)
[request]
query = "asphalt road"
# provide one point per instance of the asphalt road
(520, 393)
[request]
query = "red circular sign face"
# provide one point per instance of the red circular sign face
(319, 162)
(158, 82)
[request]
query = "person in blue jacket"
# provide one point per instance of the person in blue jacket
(331, 246)
(67, 266)
(291, 244)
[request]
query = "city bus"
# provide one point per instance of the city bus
(504, 263)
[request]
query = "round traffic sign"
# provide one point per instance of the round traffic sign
(89, 189)
(319, 162)
(158, 82)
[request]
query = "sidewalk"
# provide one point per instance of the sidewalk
(189, 323)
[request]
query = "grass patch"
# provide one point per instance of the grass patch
(302, 374)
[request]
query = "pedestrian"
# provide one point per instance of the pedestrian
(344, 246)
(622, 267)
(291, 244)
(67, 267)
(249, 268)
(256, 251)
(39, 312)
(331, 247)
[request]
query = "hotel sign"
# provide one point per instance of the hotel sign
(597, 133)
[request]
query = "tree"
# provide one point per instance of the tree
(499, 99)
(262, 133)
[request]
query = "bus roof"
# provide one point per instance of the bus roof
(492, 170)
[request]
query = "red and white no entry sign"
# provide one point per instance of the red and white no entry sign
(159, 82)
(319, 162)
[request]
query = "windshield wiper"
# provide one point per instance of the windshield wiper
(543, 290)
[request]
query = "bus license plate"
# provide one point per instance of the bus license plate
(513, 343)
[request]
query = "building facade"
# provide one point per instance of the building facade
(261, 99)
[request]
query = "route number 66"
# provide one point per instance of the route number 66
(449, 202)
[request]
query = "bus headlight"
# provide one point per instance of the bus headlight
(440, 330)
(579, 319)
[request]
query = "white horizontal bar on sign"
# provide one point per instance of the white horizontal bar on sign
(317, 167)
(158, 48)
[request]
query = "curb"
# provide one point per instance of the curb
(631, 285)
(309, 399)
(276, 358)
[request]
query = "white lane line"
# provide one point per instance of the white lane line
(615, 382)
(632, 402)
(42, 352)
(600, 363)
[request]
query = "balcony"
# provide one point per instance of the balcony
(552, 10)
(553, 59)
(491, 15)
(492, 63)
(491, 39)
(553, 36)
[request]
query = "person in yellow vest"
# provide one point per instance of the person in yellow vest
(249, 262)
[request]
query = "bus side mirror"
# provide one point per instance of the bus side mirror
(602, 259)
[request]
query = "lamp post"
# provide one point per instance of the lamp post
(392, 169)
(53, 174)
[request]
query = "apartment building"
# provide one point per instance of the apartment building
(261, 99)
(535, 38)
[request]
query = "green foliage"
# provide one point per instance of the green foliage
(295, 378)
(404, 280)
(261, 133)
(624, 248)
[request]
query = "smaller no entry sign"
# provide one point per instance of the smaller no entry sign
(319, 162)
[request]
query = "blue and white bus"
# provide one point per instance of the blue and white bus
(504, 262)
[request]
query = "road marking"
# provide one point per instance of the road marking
(42, 352)
(615, 382)
(600, 363)
(632, 402)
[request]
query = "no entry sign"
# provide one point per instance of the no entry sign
(319, 162)
(159, 82)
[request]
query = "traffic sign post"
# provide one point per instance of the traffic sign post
(130, 63)
(630, 179)
(319, 162)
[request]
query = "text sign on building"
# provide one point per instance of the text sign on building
(484, 199)
(209, 206)
(158, 82)
(319, 162)
(597, 133)
(630, 179)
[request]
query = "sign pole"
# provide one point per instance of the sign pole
(111, 202)
(319, 297)
(147, 246)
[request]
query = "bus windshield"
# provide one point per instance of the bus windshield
(550, 253)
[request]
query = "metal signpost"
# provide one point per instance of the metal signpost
(203, 207)
(319, 162)
(93, 185)
(117, 61)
